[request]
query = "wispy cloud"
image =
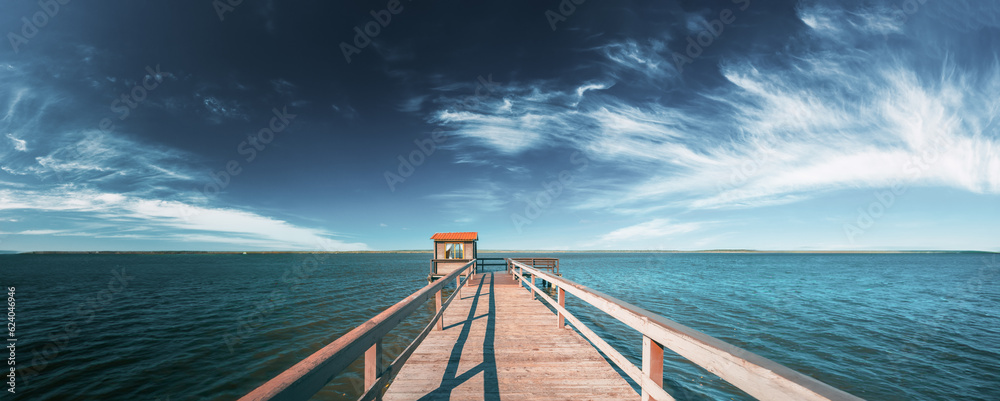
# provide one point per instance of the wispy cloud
(173, 221)
(479, 196)
(223, 109)
(650, 61)
(849, 111)
(412, 104)
(651, 234)
(110, 159)
(20, 145)
(76, 180)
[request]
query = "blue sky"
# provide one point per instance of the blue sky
(795, 125)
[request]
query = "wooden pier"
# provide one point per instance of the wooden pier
(494, 339)
(499, 344)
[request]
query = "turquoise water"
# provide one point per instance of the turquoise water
(179, 327)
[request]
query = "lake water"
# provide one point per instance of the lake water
(186, 327)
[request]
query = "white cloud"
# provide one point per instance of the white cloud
(37, 232)
(168, 221)
(650, 234)
(506, 134)
(588, 87)
(480, 196)
(19, 144)
(849, 112)
(412, 104)
(651, 60)
(18, 96)
(112, 185)
(223, 109)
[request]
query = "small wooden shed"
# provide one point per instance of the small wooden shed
(452, 251)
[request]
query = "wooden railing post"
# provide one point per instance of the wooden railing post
(373, 366)
(458, 285)
(562, 303)
(652, 363)
(437, 308)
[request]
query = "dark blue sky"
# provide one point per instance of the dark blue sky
(542, 125)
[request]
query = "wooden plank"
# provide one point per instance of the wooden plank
(437, 308)
(499, 344)
(652, 364)
(562, 302)
(373, 363)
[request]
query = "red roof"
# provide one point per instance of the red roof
(469, 236)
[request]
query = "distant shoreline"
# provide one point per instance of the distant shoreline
(733, 251)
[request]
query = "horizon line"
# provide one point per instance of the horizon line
(876, 251)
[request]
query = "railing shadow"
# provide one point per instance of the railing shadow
(451, 379)
(491, 383)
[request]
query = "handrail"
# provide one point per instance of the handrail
(310, 375)
(551, 264)
(654, 389)
(758, 376)
(481, 263)
(434, 262)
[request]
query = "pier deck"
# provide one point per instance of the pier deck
(493, 341)
(500, 344)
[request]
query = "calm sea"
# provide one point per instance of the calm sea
(192, 327)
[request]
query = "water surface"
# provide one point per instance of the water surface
(179, 327)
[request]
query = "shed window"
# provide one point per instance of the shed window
(454, 251)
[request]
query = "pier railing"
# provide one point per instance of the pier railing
(483, 263)
(550, 264)
(758, 376)
(310, 375)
